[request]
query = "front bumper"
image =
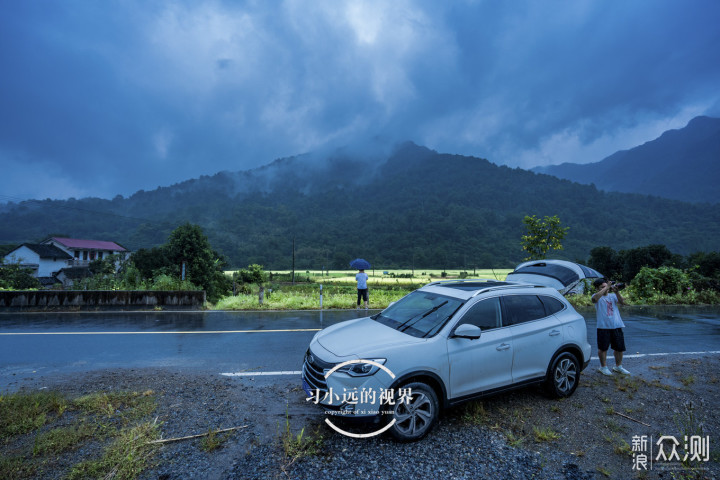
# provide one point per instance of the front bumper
(342, 394)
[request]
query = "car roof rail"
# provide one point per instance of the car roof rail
(506, 287)
(463, 280)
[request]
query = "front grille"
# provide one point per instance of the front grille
(314, 371)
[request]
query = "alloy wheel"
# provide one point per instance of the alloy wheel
(565, 375)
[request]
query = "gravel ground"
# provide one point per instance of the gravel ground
(495, 438)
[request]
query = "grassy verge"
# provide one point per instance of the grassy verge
(339, 290)
(285, 298)
(39, 432)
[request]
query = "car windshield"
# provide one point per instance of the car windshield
(420, 314)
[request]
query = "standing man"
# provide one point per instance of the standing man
(362, 288)
(609, 325)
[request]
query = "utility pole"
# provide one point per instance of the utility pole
(293, 262)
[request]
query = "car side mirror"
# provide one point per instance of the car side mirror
(467, 331)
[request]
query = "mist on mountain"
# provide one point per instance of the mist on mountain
(682, 164)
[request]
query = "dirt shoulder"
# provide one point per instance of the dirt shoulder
(518, 435)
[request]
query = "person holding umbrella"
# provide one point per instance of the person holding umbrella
(361, 277)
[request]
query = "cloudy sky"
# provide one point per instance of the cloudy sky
(99, 98)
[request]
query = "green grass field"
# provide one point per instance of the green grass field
(339, 288)
(390, 276)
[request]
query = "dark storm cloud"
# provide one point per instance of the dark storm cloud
(100, 98)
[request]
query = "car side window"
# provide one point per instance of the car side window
(522, 308)
(552, 305)
(484, 314)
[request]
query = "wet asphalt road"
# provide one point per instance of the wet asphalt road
(42, 344)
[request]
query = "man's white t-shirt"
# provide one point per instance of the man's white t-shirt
(608, 314)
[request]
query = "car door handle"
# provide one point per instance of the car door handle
(503, 346)
(554, 333)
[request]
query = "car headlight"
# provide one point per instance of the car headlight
(362, 368)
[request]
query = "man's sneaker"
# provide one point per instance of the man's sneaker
(620, 369)
(605, 371)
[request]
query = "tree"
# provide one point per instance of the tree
(652, 256)
(203, 266)
(253, 274)
(152, 261)
(606, 261)
(15, 277)
(707, 263)
(543, 235)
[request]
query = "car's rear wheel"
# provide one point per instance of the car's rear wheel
(416, 415)
(563, 375)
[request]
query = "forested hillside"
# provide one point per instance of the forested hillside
(681, 164)
(412, 207)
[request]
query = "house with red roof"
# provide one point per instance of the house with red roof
(85, 251)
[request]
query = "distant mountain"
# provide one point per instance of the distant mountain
(681, 164)
(407, 206)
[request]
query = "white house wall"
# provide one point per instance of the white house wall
(42, 267)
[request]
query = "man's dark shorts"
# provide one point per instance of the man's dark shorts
(362, 295)
(610, 337)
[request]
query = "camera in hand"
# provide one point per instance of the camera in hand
(617, 286)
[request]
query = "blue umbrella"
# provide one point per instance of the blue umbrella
(360, 264)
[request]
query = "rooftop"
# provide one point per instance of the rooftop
(45, 251)
(88, 244)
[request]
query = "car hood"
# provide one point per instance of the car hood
(362, 336)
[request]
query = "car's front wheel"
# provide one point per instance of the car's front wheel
(416, 414)
(563, 375)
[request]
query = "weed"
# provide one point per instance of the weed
(555, 409)
(613, 426)
(300, 445)
(95, 418)
(126, 457)
(688, 424)
(623, 448)
(688, 380)
(513, 440)
(605, 400)
(545, 434)
(604, 471)
(16, 468)
(24, 412)
(60, 440)
(130, 405)
(657, 384)
(474, 413)
(610, 411)
(626, 384)
(213, 441)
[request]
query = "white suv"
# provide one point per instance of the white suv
(443, 344)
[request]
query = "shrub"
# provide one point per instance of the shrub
(166, 282)
(668, 281)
